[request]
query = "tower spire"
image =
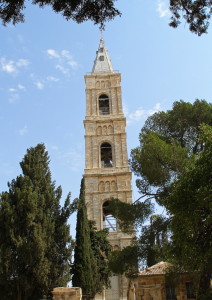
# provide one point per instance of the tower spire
(102, 63)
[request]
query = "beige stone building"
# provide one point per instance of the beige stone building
(151, 284)
(107, 172)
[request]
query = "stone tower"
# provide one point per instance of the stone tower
(107, 172)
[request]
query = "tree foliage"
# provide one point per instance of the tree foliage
(196, 13)
(125, 261)
(35, 243)
(174, 163)
(83, 255)
(149, 245)
(97, 11)
(90, 269)
(169, 141)
(190, 207)
(130, 216)
(153, 241)
(101, 249)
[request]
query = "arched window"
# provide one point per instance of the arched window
(106, 155)
(109, 221)
(104, 106)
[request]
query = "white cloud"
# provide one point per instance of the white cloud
(162, 9)
(155, 109)
(66, 53)
(72, 63)
(140, 112)
(23, 130)
(136, 116)
(12, 90)
(52, 53)
(22, 62)
(7, 66)
(70, 60)
(62, 69)
(52, 78)
(11, 66)
(39, 85)
(21, 87)
(64, 60)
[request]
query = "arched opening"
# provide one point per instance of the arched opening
(104, 106)
(109, 221)
(106, 155)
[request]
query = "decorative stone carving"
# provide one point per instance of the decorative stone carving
(113, 186)
(101, 186)
(107, 186)
(107, 84)
(110, 129)
(99, 130)
(104, 130)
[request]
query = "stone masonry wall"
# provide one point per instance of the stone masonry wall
(64, 293)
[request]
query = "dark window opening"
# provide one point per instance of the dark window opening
(104, 108)
(190, 290)
(106, 155)
(101, 49)
(101, 58)
(170, 293)
(109, 221)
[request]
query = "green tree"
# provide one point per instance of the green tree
(101, 249)
(196, 13)
(125, 261)
(174, 163)
(169, 141)
(90, 269)
(190, 207)
(149, 245)
(153, 241)
(82, 269)
(97, 11)
(35, 243)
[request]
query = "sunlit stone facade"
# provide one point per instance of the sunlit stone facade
(107, 172)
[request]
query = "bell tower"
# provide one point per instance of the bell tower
(107, 173)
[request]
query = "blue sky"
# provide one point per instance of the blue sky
(42, 92)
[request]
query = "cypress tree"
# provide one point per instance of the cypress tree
(90, 270)
(101, 249)
(34, 235)
(83, 259)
